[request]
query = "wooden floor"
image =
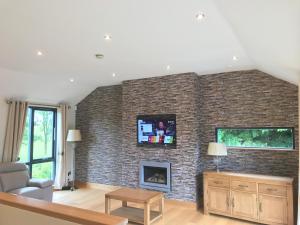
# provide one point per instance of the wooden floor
(176, 212)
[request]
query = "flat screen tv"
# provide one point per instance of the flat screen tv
(156, 130)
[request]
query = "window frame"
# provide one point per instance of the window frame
(31, 140)
(259, 148)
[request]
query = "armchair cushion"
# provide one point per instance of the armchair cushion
(30, 192)
(12, 167)
(14, 180)
(40, 183)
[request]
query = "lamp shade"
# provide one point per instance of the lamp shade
(217, 149)
(74, 135)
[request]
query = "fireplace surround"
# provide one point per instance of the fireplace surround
(155, 175)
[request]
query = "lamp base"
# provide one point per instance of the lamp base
(69, 187)
(217, 160)
(66, 188)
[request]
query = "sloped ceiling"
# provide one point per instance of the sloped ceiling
(269, 31)
(146, 37)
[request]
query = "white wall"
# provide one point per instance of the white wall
(3, 119)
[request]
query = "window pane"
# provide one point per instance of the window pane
(42, 170)
(25, 145)
(43, 134)
(270, 138)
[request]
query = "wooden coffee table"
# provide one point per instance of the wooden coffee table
(142, 216)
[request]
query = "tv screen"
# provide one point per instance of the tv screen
(156, 130)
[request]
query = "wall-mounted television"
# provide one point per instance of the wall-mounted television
(156, 130)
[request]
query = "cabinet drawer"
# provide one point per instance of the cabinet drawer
(272, 189)
(243, 186)
(218, 182)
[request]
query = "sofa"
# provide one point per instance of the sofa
(14, 178)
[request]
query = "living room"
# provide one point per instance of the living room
(98, 102)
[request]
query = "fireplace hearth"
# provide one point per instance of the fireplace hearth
(155, 175)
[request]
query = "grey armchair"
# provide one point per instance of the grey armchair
(14, 178)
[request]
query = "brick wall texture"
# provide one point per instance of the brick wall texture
(99, 117)
(248, 99)
(107, 118)
(175, 94)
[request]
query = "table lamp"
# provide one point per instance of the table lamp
(217, 149)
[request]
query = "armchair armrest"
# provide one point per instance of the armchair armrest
(41, 183)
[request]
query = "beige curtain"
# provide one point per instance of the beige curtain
(17, 113)
(61, 159)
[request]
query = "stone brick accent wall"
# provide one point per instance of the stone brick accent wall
(248, 99)
(99, 117)
(108, 153)
(176, 94)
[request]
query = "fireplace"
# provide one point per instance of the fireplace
(155, 175)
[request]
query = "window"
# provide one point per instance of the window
(39, 142)
(263, 138)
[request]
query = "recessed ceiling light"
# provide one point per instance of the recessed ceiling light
(39, 53)
(107, 37)
(200, 16)
(113, 74)
(99, 56)
(168, 67)
(71, 79)
(235, 58)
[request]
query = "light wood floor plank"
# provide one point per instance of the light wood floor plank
(176, 212)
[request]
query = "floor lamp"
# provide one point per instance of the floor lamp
(73, 137)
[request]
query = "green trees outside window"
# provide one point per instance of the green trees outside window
(263, 138)
(39, 142)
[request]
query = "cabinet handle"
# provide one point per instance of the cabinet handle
(232, 202)
(227, 201)
(243, 186)
(260, 207)
(271, 189)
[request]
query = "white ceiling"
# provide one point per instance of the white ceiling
(146, 37)
(269, 30)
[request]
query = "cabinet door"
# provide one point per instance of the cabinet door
(244, 204)
(272, 209)
(218, 200)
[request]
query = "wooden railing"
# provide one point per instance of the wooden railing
(53, 210)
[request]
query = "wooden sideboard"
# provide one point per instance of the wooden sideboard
(257, 198)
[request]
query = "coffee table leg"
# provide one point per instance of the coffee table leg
(124, 203)
(147, 214)
(162, 206)
(107, 205)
